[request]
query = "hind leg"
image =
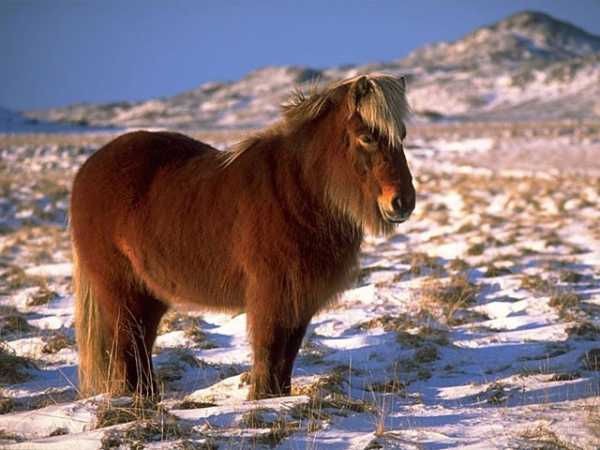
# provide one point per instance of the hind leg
(129, 319)
(137, 334)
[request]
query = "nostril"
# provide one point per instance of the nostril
(397, 204)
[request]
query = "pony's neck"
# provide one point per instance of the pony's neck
(317, 155)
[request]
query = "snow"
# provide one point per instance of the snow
(508, 374)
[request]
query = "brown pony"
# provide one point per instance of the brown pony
(272, 227)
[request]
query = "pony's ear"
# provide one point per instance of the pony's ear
(359, 89)
(402, 81)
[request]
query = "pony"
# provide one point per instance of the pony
(272, 227)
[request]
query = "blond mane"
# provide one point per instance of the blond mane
(383, 108)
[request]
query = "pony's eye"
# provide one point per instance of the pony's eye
(366, 139)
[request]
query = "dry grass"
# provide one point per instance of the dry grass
(176, 321)
(122, 410)
(42, 297)
(151, 431)
(190, 404)
(14, 277)
(9, 437)
(6, 405)
(390, 386)
(476, 249)
(591, 359)
(408, 332)
(567, 304)
(56, 343)
(584, 330)
(570, 276)
(492, 271)
(542, 438)
(421, 263)
(389, 323)
(13, 322)
(426, 354)
(331, 383)
(14, 369)
(179, 360)
(458, 265)
(443, 300)
(535, 283)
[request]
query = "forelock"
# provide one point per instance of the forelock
(384, 107)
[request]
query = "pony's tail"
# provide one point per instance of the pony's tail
(96, 366)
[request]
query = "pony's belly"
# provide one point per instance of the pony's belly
(173, 286)
(203, 301)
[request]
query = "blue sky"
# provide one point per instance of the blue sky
(56, 52)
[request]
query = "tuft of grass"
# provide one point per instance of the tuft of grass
(56, 343)
(565, 376)
(278, 429)
(60, 431)
(496, 394)
(584, 330)
(331, 383)
(591, 359)
(189, 325)
(157, 429)
(255, 419)
(13, 369)
(541, 437)
(466, 228)
(313, 353)
(10, 436)
(459, 265)
(388, 323)
(118, 411)
(15, 278)
(408, 332)
(567, 304)
(570, 276)
(492, 271)
(535, 283)
(445, 299)
(12, 321)
(426, 354)
(421, 263)
(6, 405)
(342, 405)
(179, 358)
(191, 404)
(391, 386)
(42, 297)
(311, 413)
(553, 239)
(476, 249)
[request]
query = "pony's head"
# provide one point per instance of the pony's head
(361, 136)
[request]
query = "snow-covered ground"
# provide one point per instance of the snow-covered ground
(477, 325)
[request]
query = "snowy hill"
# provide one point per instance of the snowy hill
(522, 37)
(528, 66)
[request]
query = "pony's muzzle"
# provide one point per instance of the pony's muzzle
(401, 208)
